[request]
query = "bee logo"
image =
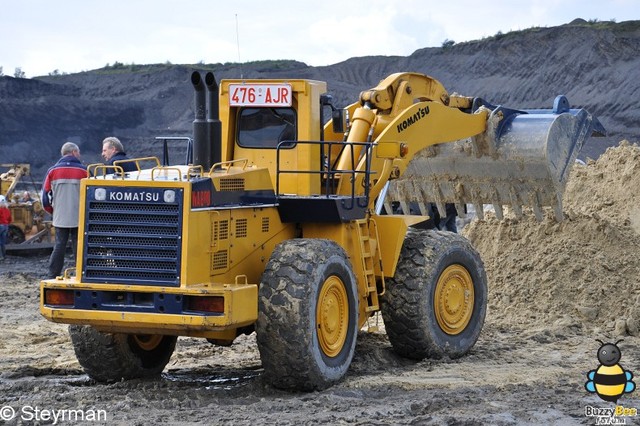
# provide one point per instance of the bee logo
(609, 381)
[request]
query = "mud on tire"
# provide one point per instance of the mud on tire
(109, 357)
(307, 315)
(427, 309)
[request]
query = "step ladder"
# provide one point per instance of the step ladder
(370, 253)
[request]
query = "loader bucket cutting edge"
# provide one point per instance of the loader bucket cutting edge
(522, 159)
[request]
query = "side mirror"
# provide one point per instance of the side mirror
(339, 119)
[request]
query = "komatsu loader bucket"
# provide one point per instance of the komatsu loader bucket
(522, 159)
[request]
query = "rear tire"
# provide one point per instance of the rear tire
(110, 357)
(307, 315)
(436, 303)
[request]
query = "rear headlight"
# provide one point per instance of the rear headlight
(58, 297)
(206, 304)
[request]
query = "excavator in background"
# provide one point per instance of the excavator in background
(11, 176)
(30, 228)
(276, 225)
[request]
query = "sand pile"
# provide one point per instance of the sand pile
(582, 273)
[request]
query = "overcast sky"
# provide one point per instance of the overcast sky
(41, 36)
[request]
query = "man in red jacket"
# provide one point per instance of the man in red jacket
(61, 198)
(5, 220)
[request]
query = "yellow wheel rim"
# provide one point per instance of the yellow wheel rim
(148, 342)
(454, 299)
(332, 316)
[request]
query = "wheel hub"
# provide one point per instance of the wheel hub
(454, 298)
(148, 342)
(332, 316)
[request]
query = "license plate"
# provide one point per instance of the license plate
(260, 95)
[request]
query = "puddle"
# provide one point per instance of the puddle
(219, 381)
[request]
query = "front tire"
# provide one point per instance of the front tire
(436, 303)
(110, 357)
(307, 315)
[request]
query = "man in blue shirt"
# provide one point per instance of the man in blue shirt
(112, 151)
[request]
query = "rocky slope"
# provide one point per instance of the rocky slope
(595, 64)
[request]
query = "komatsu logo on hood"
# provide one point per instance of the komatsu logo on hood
(135, 195)
(405, 124)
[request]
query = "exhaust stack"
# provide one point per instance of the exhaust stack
(214, 126)
(201, 146)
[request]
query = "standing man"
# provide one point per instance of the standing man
(61, 198)
(112, 150)
(5, 220)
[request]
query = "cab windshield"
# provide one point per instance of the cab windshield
(266, 127)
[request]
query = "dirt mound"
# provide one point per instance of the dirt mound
(581, 273)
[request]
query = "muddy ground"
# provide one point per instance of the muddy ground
(553, 289)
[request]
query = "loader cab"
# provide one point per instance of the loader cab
(257, 115)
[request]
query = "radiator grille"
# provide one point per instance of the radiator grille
(220, 230)
(219, 260)
(133, 242)
(232, 184)
(241, 228)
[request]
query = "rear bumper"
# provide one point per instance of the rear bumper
(152, 310)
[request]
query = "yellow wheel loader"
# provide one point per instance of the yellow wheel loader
(276, 225)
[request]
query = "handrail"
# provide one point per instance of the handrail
(118, 171)
(137, 161)
(93, 169)
(165, 148)
(229, 163)
(332, 176)
(166, 169)
(195, 170)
